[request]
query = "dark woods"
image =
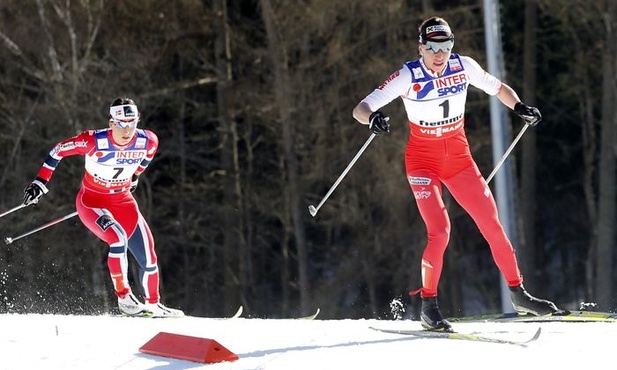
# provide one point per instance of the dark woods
(252, 103)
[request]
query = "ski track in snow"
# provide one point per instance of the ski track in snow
(109, 342)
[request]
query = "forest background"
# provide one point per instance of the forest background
(252, 103)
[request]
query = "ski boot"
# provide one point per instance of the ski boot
(525, 303)
(129, 305)
(431, 318)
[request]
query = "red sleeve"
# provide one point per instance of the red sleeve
(76, 145)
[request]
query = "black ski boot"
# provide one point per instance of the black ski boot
(525, 303)
(431, 318)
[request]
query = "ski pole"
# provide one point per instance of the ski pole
(312, 209)
(9, 240)
(12, 210)
(505, 155)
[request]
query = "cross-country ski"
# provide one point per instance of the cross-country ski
(474, 337)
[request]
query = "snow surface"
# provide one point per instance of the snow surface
(112, 342)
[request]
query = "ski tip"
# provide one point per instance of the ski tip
(238, 313)
(311, 317)
(317, 312)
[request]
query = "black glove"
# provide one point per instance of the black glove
(134, 183)
(531, 115)
(34, 191)
(378, 123)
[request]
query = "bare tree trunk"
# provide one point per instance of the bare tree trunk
(71, 77)
(606, 209)
(528, 251)
(283, 102)
(182, 179)
(234, 250)
(589, 133)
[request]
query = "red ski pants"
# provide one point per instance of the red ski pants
(429, 164)
(115, 219)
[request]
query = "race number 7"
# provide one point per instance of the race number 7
(118, 172)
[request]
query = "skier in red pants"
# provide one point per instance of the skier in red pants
(434, 90)
(114, 159)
